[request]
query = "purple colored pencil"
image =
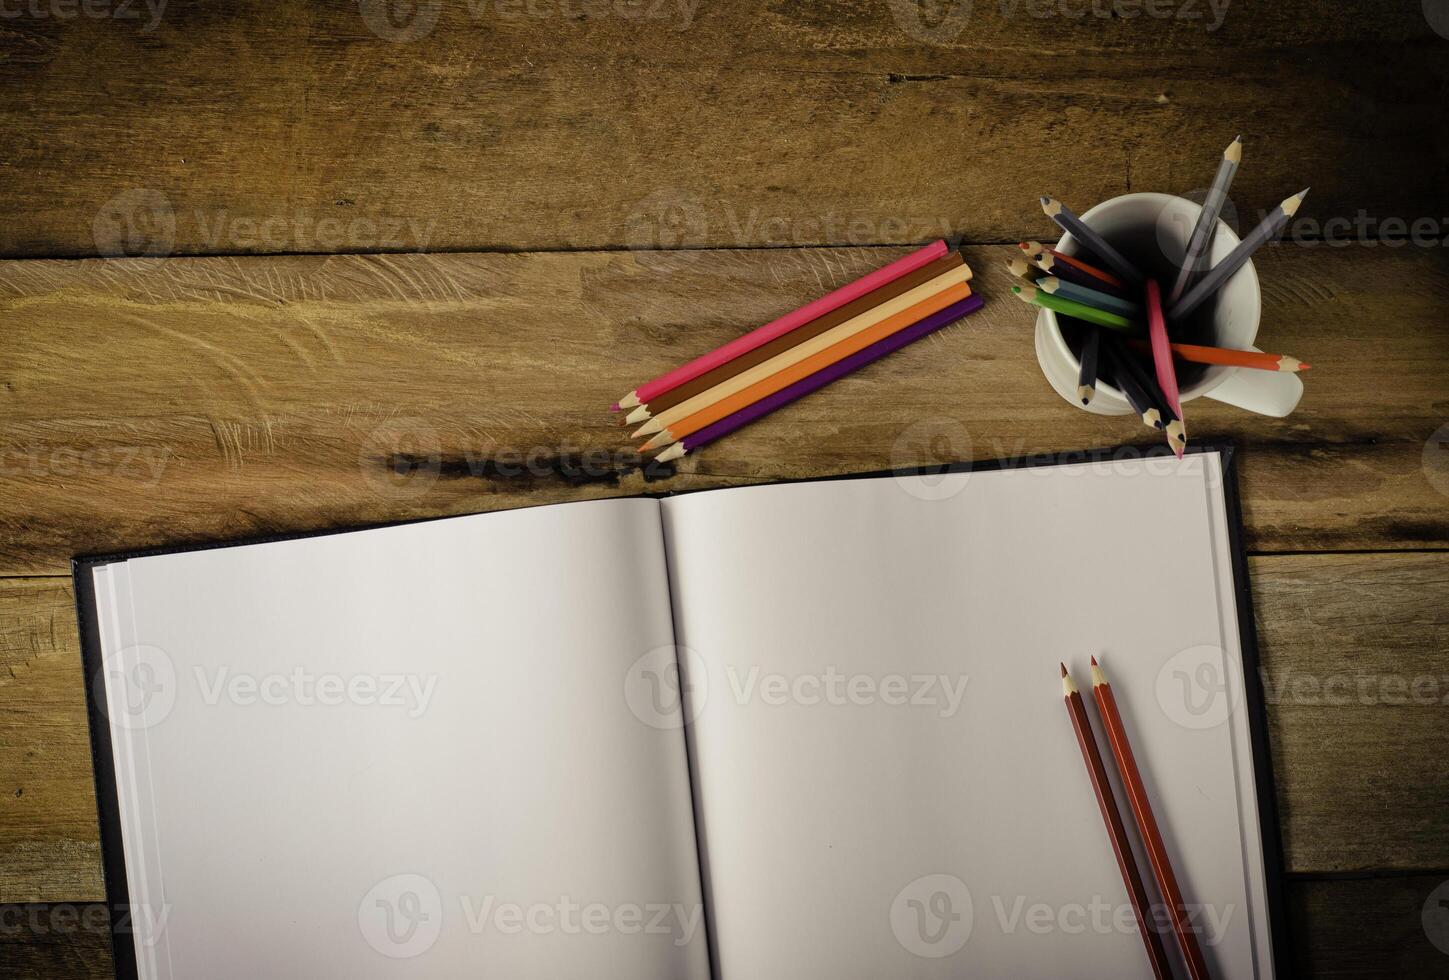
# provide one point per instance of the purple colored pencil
(823, 377)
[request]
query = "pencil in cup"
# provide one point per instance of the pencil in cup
(782, 325)
(1091, 297)
(1207, 220)
(1161, 355)
(1126, 382)
(1172, 426)
(1147, 825)
(927, 296)
(1219, 274)
(1072, 269)
(794, 338)
(1116, 831)
(1038, 297)
(822, 378)
(1090, 240)
(804, 368)
(1227, 357)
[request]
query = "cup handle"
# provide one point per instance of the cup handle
(1273, 393)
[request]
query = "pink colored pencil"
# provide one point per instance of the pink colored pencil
(776, 328)
(1162, 351)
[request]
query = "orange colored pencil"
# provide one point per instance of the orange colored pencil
(1116, 832)
(1147, 823)
(1198, 354)
(804, 368)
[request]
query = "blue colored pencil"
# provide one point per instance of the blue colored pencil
(1091, 297)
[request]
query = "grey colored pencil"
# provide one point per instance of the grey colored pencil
(1267, 229)
(1136, 397)
(1207, 220)
(1087, 373)
(1090, 240)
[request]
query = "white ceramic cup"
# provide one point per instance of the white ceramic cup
(1139, 224)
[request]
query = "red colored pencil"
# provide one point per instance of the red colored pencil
(1101, 275)
(1147, 823)
(1116, 832)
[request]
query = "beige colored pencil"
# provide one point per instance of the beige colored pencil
(1023, 269)
(800, 352)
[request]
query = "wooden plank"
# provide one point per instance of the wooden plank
(738, 124)
(1360, 785)
(1356, 929)
(49, 841)
(1355, 667)
(165, 401)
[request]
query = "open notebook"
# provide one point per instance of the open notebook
(458, 747)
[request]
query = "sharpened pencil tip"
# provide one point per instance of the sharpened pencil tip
(1064, 668)
(1094, 660)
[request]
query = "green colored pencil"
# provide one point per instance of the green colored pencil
(1067, 307)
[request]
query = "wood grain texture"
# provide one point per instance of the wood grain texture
(1360, 785)
(145, 402)
(1339, 929)
(290, 127)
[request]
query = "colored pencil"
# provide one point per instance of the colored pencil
(1081, 294)
(1030, 294)
(801, 369)
(1207, 220)
(1219, 274)
(1116, 831)
(1053, 261)
(916, 303)
(1090, 240)
(1054, 266)
(1147, 822)
(799, 335)
(1136, 397)
(775, 328)
(822, 378)
(1161, 355)
(1172, 426)
(1087, 369)
(1198, 354)
(1023, 269)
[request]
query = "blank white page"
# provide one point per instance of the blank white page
(404, 752)
(887, 778)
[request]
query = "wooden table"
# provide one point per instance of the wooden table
(607, 189)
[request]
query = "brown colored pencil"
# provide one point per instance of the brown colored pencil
(1147, 823)
(1116, 832)
(1198, 354)
(799, 335)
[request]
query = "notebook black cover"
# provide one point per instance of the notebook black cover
(107, 803)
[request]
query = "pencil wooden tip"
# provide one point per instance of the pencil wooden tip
(1049, 283)
(662, 439)
(673, 452)
(1290, 206)
(647, 429)
(1086, 393)
(629, 401)
(639, 414)
(1153, 418)
(1064, 668)
(1050, 206)
(1027, 293)
(1030, 247)
(1099, 679)
(1094, 660)
(1234, 152)
(1069, 686)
